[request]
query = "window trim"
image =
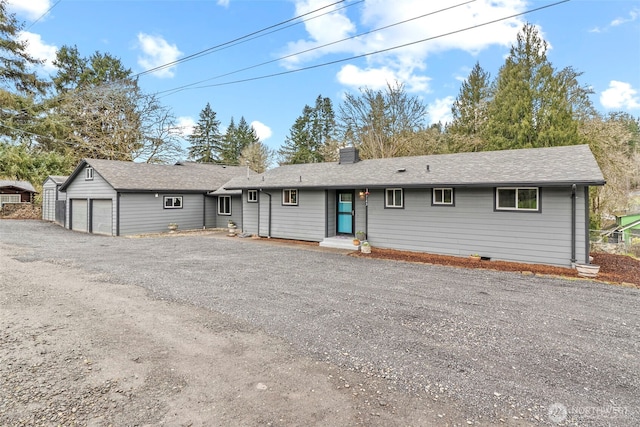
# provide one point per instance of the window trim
(386, 198)
(289, 190)
(497, 206)
(173, 199)
(252, 199)
(88, 173)
(228, 204)
(442, 203)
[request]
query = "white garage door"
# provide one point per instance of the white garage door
(79, 215)
(101, 217)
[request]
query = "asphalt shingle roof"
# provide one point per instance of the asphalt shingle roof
(535, 166)
(186, 176)
(58, 179)
(23, 185)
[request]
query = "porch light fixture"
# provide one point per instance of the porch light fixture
(361, 194)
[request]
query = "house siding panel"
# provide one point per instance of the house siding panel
(472, 226)
(210, 209)
(250, 213)
(306, 221)
(145, 213)
(222, 221)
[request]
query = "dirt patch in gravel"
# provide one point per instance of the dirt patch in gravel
(618, 269)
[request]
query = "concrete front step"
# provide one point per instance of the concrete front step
(339, 242)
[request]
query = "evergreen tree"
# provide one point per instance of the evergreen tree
(205, 142)
(310, 134)
(20, 88)
(235, 140)
(469, 109)
(533, 105)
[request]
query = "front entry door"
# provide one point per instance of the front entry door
(346, 213)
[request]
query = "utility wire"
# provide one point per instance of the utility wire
(383, 50)
(249, 36)
(42, 16)
(178, 89)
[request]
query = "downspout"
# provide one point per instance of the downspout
(204, 211)
(366, 213)
(269, 223)
(118, 214)
(573, 225)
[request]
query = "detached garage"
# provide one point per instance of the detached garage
(53, 200)
(117, 198)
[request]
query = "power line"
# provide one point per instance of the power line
(238, 40)
(381, 50)
(178, 89)
(42, 16)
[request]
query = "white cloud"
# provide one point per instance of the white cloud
(407, 64)
(633, 15)
(263, 131)
(156, 51)
(31, 9)
(378, 78)
(224, 3)
(620, 95)
(39, 50)
(440, 110)
(185, 125)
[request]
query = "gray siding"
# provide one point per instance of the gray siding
(97, 188)
(472, 226)
(222, 221)
(306, 221)
(210, 207)
(250, 213)
(145, 213)
(332, 205)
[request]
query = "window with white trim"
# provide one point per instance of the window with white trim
(224, 205)
(252, 196)
(173, 202)
(88, 174)
(290, 197)
(394, 198)
(442, 196)
(518, 199)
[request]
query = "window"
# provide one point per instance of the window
(88, 174)
(518, 199)
(252, 196)
(442, 196)
(393, 198)
(171, 202)
(224, 205)
(290, 197)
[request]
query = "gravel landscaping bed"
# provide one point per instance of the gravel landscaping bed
(501, 347)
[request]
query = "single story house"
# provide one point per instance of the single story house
(16, 192)
(54, 200)
(120, 198)
(528, 205)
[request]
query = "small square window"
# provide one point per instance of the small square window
(442, 196)
(290, 197)
(224, 205)
(252, 196)
(394, 198)
(171, 202)
(88, 174)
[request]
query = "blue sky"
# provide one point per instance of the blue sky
(600, 38)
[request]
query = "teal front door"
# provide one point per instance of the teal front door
(346, 213)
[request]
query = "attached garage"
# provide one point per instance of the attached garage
(101, 214)
(79, 215)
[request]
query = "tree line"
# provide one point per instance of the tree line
(92, 107)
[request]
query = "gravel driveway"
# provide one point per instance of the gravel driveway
(520, 348)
